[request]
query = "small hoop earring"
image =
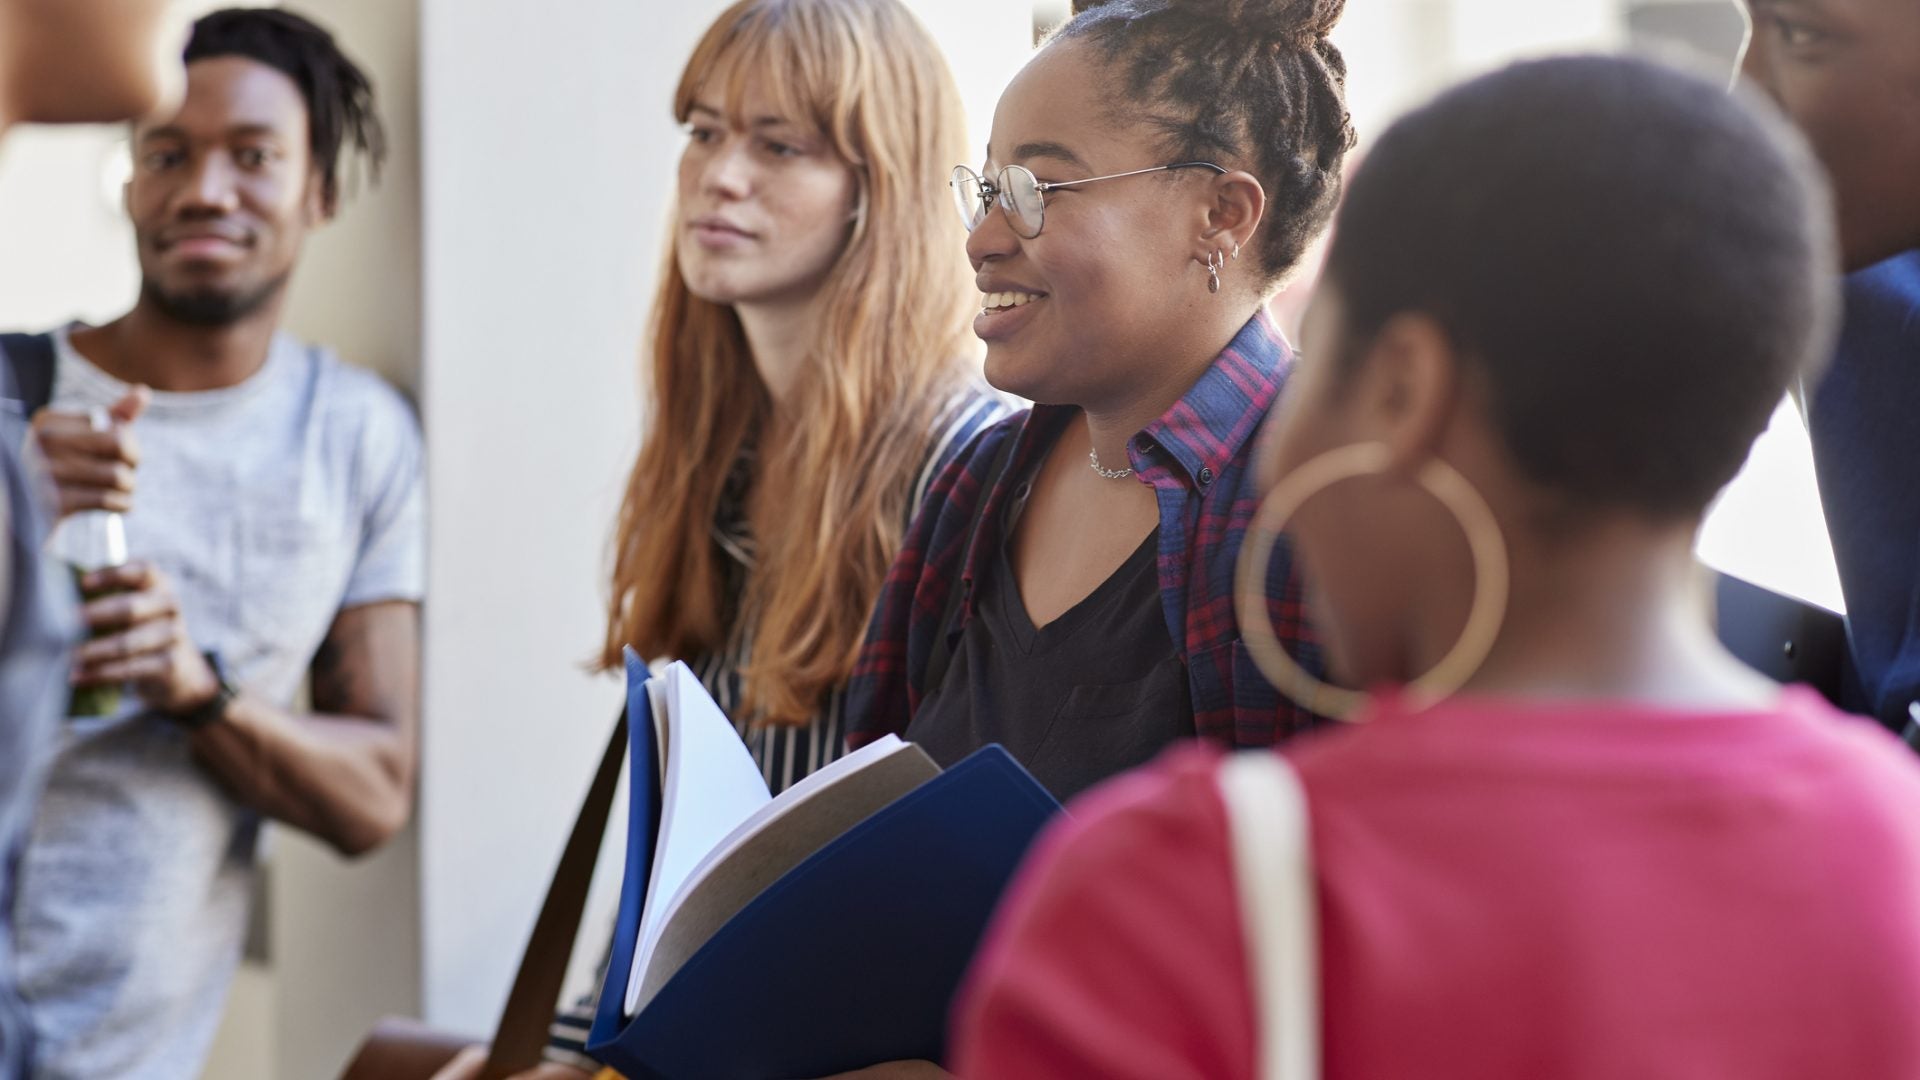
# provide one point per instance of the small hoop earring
(1236, 251)
(1215, 261)
(1484, 539)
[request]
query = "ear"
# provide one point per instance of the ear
(1235, 204)
(1407, 388)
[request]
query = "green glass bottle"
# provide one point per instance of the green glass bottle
(87, 541)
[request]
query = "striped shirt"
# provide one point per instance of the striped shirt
(1198, 458)
(785, 754)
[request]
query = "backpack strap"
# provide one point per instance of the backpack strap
(30, 362)
(942, 656)
(521, 1037)
(1273, 868)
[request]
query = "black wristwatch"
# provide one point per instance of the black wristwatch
(216, 707)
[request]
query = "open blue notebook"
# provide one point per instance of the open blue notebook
(822, 931)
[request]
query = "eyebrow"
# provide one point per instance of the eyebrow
(1048, 149)
(172, 131)
(762, 122)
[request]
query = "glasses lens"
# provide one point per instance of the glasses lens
(1020, 196)
(966, 196)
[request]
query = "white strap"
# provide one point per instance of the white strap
(1273, 864)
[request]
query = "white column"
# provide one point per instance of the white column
(344, 936)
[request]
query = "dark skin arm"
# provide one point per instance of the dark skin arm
(343, 772)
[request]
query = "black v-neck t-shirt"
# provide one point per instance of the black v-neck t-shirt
(1091, 694)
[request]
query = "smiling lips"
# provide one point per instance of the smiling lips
(1004, 301)
(202, 242)
(1003, 312)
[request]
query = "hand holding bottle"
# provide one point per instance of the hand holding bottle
(140, 640)
(93, 468)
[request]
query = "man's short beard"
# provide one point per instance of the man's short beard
(210, 307)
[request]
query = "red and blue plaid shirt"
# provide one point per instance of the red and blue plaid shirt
(1198, 457)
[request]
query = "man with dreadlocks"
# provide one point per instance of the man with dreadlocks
(277, 533)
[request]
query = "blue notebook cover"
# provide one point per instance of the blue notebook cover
(643, 828)
(850, 959)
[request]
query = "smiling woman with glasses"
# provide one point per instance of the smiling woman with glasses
(1152, 175)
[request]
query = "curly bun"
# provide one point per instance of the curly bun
(1270, 22)
(1253, 84)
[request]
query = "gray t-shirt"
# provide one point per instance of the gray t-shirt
(273, 505)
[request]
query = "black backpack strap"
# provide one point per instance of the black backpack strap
(30, 363)
(942, 655)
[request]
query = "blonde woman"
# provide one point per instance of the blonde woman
(811, 369)
(811, 361)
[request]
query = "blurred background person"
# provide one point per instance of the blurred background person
(1848, 73)
(277, 537)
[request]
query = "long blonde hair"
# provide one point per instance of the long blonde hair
(889, 353)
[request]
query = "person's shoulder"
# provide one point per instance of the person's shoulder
(366, 425)
(1168, 811)
(977, 410)
(977, 397)
(361, 396)
(1897, 276)
(1868, 764)
(1145, 842)
(1883, 302)
(1119, 941)
(976, 431)
(1004, 424)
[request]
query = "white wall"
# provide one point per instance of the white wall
(548, 163)
(66, 250)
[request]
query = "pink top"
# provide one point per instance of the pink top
(1506, 889)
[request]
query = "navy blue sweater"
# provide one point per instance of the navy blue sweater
(1865, 422)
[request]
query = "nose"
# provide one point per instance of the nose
(210, 189)
(993, 238)
(729, 171)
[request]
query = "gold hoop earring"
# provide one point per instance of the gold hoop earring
(1484, 539)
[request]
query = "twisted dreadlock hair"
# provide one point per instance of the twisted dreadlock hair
(338, 94)
(1248, 81)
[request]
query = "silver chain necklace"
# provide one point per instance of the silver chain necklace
(1093, 459)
